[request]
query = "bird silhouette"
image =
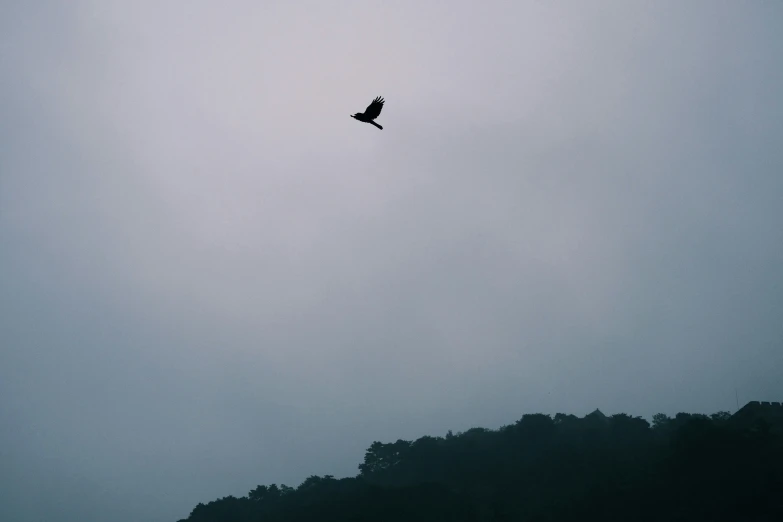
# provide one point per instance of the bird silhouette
(371, 112)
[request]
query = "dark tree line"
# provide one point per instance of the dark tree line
(543, 468)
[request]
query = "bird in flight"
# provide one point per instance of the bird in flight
(371, 112)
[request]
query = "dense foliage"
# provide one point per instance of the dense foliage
(543, 468)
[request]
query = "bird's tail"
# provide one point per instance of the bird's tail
(376, 125)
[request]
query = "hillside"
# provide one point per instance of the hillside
(547, 468)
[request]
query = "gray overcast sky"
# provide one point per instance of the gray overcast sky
(212, 278)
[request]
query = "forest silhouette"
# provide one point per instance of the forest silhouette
(541, 468)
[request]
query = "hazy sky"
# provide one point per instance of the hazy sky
(212, 278)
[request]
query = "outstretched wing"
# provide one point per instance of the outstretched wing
(374, 109)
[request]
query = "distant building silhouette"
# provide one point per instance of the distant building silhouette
(757, 414)
(597, 415)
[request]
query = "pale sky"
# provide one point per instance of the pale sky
(212, 278)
